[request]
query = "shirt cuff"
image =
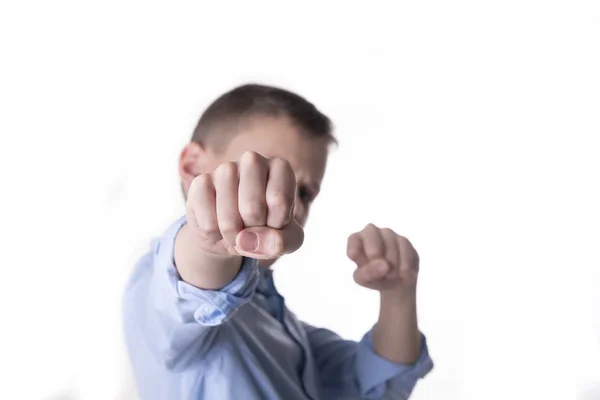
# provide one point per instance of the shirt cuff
(376, 374)
(208, 307)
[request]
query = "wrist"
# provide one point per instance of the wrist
(398, 298)
(398, 307)
(396, 334)
(201, 268)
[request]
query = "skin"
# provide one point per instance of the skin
(253, 197)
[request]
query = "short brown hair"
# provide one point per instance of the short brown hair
(215, 127)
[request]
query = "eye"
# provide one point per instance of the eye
(305, 194)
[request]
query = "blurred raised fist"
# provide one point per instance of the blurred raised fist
(385, 261)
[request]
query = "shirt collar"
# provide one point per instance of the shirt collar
(266, 285)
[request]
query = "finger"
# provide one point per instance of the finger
(409, 258)
(252, 187)
(392, 252)
(269, 243)
(373, 244)
(280, 194)
(201, 207)
(371, 272)
(355, 250)
(225, 182)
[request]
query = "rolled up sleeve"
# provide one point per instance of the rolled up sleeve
(379, 378)
(353, 370)
(207, 307)
(174, 316)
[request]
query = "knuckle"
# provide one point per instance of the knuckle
(374, 250)
(230, 223)
(251, 158)
(370, 253)
(370, 227)
(354, 246)
(200, 185)
(252, 210)
(282, 163)
(200, 182)
(354, 240)
(388, 232)
(280, 201)
(352, 252)
(403, 241)
(229, 230)
(208, 230)
(226, 170)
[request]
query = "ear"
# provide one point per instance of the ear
(191, 163)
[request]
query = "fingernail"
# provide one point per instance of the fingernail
(248, 241)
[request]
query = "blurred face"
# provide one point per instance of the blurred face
(277, 137)
(271, 137)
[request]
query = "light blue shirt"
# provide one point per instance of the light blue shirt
(242, 343)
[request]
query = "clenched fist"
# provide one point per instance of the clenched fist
(385, 260)
(245, 208)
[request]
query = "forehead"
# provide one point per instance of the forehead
(277, 137)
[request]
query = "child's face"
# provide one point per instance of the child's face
(276, 137)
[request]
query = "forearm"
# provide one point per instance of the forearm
(167, 314)
(396, 336)
(200, 269)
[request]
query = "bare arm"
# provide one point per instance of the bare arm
(396, 336)
(201, 269)
(388, 262)
(386, 364)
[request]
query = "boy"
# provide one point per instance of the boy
(203, 319)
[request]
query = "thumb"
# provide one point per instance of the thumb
(262, 242)
(372, 272)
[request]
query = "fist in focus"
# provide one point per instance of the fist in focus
(385, 261)
(245, 208)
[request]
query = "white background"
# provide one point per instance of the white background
(469, 126)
